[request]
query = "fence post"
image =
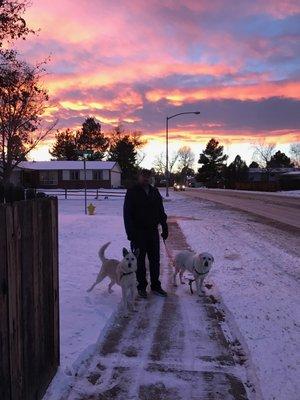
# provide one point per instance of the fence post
(4, 323)
(14, 302)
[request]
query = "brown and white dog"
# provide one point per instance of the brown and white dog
(197, 264)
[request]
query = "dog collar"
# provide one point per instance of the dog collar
(201, 273)
(127, 273)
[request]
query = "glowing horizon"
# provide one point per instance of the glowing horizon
(136, 63)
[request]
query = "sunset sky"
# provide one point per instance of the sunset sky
(136, 61)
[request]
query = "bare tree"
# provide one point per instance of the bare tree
(23, 101)
(262, 154)
(186, 158)
(159, 163)
(12, 24)
(295, 153)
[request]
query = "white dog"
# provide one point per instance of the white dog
(108, 269)
(197, 264)
(120, 272)
(126, 278)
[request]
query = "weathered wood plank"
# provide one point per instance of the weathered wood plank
(4, 322)
(55, 269)
(14, 302)
(29, 337)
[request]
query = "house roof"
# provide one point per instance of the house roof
(67, 165)
(292, 173)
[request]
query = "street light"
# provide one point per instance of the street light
(85, 156)
(167, 145)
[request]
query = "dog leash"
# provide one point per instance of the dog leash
(173, 264)
(169, 253)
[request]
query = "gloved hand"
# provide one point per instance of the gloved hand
(165, 232)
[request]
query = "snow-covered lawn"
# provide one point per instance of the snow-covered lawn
(255, 272)
(83, 315)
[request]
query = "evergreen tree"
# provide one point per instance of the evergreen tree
(213, 164)
(69, 145)
(90, 137)
(124, 150)
(280, 160)
(254, 164)
(65, 147)
(237, 171)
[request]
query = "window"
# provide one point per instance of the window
(105, 175)
(97, 175)
(75, 175)
(48, 177)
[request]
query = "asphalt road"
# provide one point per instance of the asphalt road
(282, 209)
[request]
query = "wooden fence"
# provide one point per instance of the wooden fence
(29, 304)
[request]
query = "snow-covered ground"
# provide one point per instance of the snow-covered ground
(255, 272)
(286, 193)
(83, 315)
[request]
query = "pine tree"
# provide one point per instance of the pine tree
(213, 164)
(280, 160)
(124, 150)
(69, 145)
(236, 172)
(254, 164)
(90, 137)
(65, 147)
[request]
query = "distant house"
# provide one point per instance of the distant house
(69, 174)
(290, 180)
(263, 175)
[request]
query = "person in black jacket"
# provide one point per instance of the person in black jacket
(143, 212)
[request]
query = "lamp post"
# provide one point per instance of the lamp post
(167, 145)
(85, 155)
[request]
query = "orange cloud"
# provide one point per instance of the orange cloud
(241, 92)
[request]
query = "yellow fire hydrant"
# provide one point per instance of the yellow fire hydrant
(91, 209)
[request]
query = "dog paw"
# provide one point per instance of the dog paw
(183, 283)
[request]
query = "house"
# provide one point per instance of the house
(263, 175)
(70, 174)
(290, 180)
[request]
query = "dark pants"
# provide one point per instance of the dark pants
(148, 244)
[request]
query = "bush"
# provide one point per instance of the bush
(30, 194)
(11, 193)
(41, 195)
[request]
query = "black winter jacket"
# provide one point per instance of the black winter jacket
(143, 212)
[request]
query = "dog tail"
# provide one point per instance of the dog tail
(102, 252)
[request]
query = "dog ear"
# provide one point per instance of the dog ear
(136, 252)
(125, 252)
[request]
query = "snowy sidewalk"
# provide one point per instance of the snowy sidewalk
(172, 349)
